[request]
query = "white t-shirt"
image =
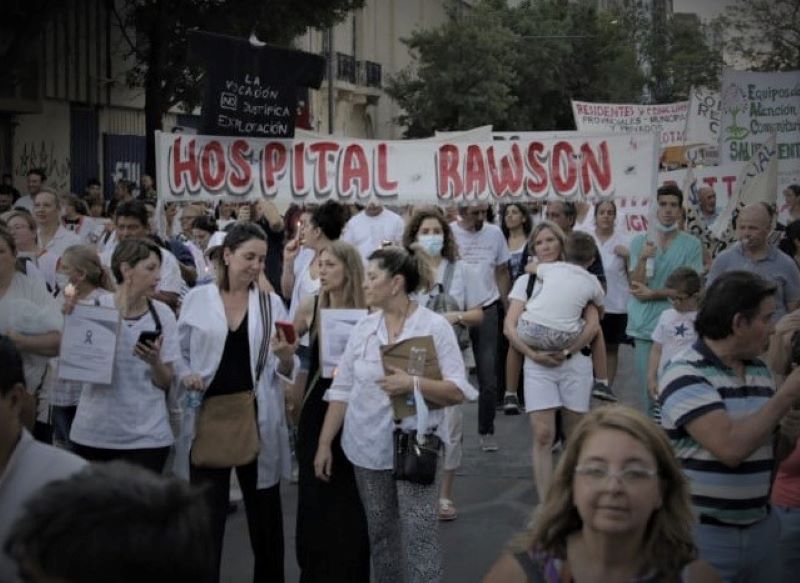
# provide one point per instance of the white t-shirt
(32, 465)
(482, 251)
(674, 332)
(89, 229)
(617, 287)
(366, 233)
(50, 256)
(27, 307)
(171, 279)
(561, 294)
(131, 412)
(304, 285)
(25, 202)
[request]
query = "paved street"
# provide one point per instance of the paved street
(494, 496)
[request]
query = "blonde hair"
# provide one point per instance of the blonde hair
(553, 228)
(667, 543)
(84, 258)
(353, 288)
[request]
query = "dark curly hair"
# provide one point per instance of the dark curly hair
(450, 248)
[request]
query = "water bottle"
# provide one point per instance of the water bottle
(193, 399)
(416, 366)
(649, 268)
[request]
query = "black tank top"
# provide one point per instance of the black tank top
(233, 374)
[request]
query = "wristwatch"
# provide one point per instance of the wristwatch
(566, 353)
(460, 318)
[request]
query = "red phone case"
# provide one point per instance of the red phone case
(288, 330)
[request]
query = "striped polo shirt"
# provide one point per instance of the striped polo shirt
(693, 384)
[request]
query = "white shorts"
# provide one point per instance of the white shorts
(568, 385)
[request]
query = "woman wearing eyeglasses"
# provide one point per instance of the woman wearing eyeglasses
(401, 515)
(618, 511)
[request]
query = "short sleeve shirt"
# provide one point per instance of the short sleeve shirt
(131, 412)
(481, 252)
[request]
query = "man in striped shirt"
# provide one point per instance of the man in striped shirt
(721, 411)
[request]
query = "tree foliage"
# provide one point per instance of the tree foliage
(155, 31)
(517, 67)
(764, 34)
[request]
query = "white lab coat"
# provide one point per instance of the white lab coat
(202, 330)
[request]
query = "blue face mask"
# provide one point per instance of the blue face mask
(432, 244)
(661, 228)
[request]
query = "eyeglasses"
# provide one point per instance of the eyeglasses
(627, 476)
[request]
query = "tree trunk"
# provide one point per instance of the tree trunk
(154, 103)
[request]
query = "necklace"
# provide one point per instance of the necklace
(393, 336)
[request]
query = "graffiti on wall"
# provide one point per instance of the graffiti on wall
(46, 156)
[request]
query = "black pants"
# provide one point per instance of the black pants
(485, 339)
(264, 517)
(152, 459)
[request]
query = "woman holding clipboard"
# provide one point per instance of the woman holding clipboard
(401, 514)
(332, 542)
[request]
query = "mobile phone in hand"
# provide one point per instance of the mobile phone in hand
(288, 331)
(148, 337)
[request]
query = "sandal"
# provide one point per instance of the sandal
(447, 510)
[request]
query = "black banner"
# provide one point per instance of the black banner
(251, 90)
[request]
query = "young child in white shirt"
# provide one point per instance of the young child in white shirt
(674, 331)
(552, 318)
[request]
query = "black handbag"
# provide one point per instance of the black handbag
(414, 462)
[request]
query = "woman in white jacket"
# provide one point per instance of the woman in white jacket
(221, 330)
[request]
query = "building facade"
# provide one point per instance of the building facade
(69, 109)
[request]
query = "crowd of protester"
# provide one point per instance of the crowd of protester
(531, 301)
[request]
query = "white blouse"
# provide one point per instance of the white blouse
(368, 423)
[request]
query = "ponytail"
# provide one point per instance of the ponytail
(411, 262)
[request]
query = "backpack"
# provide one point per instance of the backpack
(443, 302)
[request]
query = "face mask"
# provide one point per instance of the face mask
(432, 244)
(666, 228)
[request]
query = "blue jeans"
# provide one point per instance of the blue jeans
(789, 542)
(741, 555)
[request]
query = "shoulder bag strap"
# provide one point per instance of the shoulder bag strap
(154, 314)
(531, 284)
(266, 327)
(448, 277)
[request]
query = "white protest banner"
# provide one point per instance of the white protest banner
(755, 105)
(197, 168)
(668, 119)
(721, 178)
(478, 134)
(702, 123)
(758, 182)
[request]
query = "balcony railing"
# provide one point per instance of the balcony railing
(361, 73)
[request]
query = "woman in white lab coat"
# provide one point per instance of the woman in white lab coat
(221, 329)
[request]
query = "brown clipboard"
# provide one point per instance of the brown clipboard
(397, 355)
